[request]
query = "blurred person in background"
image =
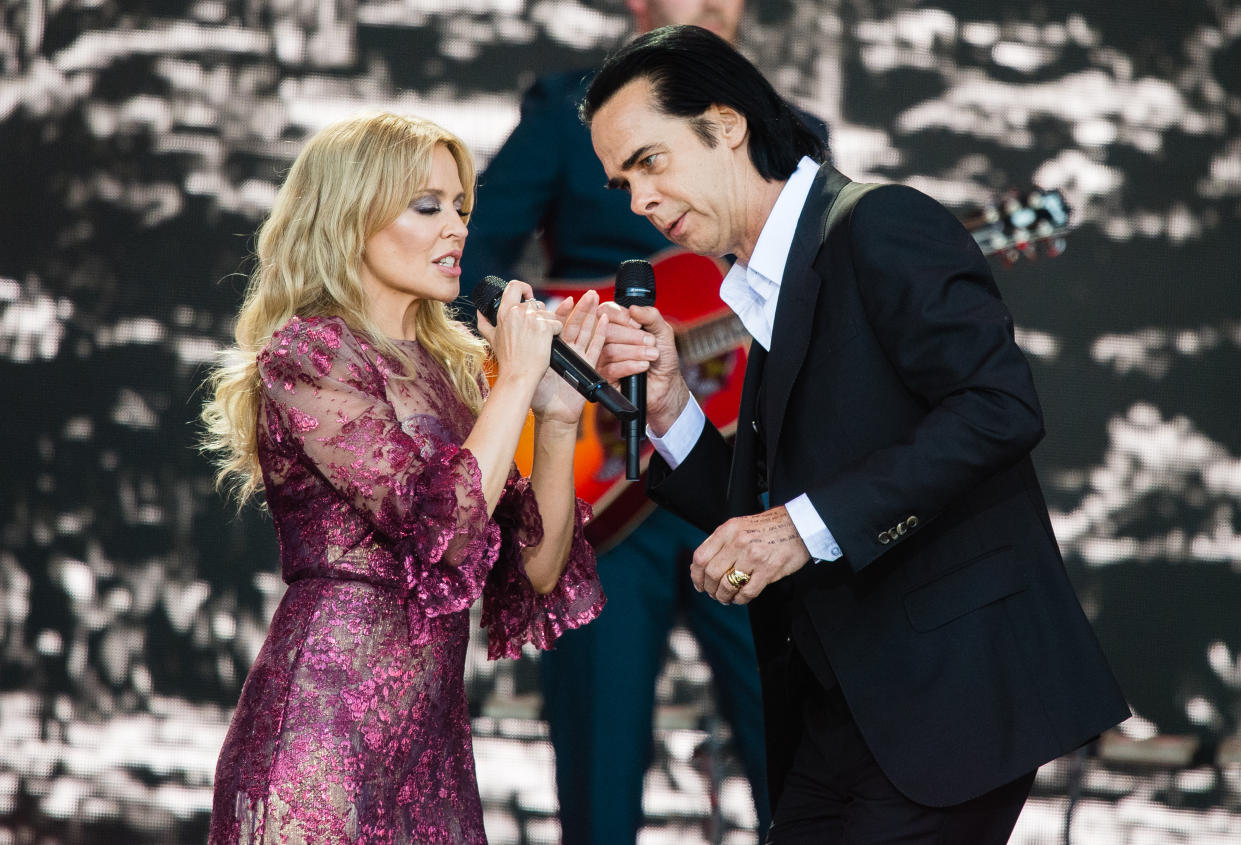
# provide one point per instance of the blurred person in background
(357, 407)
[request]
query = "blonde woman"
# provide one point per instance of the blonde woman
(358, 408)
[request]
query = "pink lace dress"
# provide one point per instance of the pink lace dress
(353, 724)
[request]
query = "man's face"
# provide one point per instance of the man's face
(690, 191)
(720, 16)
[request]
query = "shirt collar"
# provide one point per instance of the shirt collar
(752, 290)
(771, 252)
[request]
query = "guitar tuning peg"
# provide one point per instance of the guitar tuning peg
(1057, 209)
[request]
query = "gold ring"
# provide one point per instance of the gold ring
(737, 578)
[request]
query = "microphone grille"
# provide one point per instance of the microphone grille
(486, 296)
(635, 283)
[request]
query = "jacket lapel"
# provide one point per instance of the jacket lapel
(795, 310)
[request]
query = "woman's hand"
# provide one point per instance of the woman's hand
(521, 340)
(584, 330)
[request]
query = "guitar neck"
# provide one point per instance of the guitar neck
(711, 338)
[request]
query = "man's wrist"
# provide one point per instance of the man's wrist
(675, 444)
(814, 533)
(661, 418)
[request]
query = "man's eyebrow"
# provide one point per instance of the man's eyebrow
(640, 153)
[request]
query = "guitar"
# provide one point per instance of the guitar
(713, 347)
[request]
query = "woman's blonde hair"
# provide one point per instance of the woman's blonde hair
(350, 180)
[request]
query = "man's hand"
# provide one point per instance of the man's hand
(639, 340)
(765, 546)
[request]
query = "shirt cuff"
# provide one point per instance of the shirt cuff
(678, 441)
(814, 532)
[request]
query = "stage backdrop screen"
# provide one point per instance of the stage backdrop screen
(142, 143)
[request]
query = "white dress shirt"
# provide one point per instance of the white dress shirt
(752, 290)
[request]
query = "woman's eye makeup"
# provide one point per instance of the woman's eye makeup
(431, 205)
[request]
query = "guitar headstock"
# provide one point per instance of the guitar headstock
(1022, 224)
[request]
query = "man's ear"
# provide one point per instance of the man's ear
(732, 124)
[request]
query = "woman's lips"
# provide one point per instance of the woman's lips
(453, 269)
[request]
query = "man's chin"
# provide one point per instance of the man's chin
(696, 247)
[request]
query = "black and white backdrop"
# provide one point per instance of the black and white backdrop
(141, 143)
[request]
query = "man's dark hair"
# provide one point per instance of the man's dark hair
(690, 69)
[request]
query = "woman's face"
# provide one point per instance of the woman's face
(418, 255)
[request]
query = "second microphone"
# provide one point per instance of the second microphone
(635, 285)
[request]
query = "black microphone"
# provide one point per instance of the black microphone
(567, 363)
(635, 285)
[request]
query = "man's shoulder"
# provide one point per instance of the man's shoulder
(837, 192)
(882, 216)
(902, 202)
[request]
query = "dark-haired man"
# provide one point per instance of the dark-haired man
(920, 646)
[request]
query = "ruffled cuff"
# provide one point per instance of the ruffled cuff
(513, 612)
(452, 545)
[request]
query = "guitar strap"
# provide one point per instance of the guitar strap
(752, 450)
(844, 201)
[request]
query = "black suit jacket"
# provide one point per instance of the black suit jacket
(895, 396)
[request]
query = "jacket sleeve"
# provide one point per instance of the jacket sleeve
(931, 302)
(697, 490)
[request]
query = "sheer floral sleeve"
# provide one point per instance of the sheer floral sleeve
(326, 403)
(513, 613)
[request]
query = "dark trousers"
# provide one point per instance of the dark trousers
(599, 683)
(835, 793)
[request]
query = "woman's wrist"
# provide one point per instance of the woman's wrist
(517, 379)
(553, 427)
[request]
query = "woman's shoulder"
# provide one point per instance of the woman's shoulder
(311, 343)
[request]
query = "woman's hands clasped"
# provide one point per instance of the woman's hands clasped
(585, 331)
(521, 343)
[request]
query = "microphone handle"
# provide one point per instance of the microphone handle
(635, 427)
(570, 366)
